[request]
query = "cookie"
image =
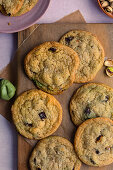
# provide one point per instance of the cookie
(36, 114)
(52, 66)
(90, 101)
(90, 52)
(11, 7)
(26, 7)
(94, 142)
(54, 153)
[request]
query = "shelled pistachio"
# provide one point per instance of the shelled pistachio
(109, 71)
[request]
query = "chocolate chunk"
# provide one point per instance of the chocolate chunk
(87, 110)
(35, 161)
(42, 115)
(68, 39)
(99, 138)
(9, 14)
(97, 151)
(52, 49)
(28, 124)
(108, 148)
(106, 98)
(38, 168)
(92, 161)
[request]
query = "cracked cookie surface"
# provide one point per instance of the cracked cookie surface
(90, 101)
(54, 153)
(11, 7)
(36, 114)
(94, 142)
(52, 66)
(26, 7)
(90, 52)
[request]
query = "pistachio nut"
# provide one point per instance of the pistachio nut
(7, 90)
(109, 71)
(104, 4)
(111, 4)
(110, 0)
(108, 9)
(108, 63)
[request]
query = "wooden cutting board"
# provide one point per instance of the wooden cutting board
(24, 148)
(105, 34)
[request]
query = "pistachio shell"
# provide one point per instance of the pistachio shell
(108, 63)
(104, 4)
(108, 9)
(111, 4)
(110, 0)
(109, 71)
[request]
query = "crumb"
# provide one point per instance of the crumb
(9, 23)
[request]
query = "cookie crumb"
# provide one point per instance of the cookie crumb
(9, 23)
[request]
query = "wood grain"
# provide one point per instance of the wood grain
(24, 148)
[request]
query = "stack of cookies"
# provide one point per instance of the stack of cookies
(54, 67)
(16, 8)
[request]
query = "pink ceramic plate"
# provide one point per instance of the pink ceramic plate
(24, 21)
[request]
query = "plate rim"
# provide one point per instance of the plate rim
(25, 27)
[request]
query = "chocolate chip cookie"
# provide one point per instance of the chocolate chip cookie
(94, 142)
(90, 101)
(52, 66)
(11, 7)
(26, 7)
(54, 153)
(36, 114)
(90, 52)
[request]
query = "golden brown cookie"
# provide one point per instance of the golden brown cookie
(54, 153)
(90, 101)
(94, 142)
(52, 66)
(11, 7)
(26, 7)
(90, 52)
(36, 114)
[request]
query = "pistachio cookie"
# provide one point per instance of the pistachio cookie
(54, 153)
(36, 114)
(52, 66)
(11, 7)
(26, 7)
(90, 52)
(94, 142)
(90, 101)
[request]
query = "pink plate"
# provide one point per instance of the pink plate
(24, 21)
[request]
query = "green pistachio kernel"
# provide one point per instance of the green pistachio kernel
(40, 85)
(110, 69)
(7, 90)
